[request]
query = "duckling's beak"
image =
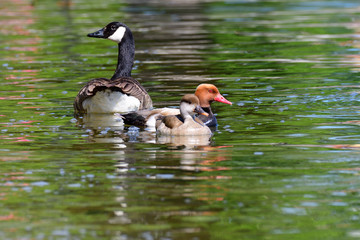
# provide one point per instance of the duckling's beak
(201, 111)
(97, 34)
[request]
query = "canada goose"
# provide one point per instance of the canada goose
(185, 123)
(121, 93)
(207, 93)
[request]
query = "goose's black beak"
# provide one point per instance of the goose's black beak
(97, 34)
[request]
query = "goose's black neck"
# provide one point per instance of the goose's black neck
(125, 57)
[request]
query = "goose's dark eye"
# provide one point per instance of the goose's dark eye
(211, 91)
(113, 27)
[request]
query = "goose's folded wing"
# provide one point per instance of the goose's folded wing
(87, 91)
(132, 87)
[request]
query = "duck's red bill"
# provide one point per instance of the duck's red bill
(220, 98)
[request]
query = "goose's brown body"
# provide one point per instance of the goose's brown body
(126, 86)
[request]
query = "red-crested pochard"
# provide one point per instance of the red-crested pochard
(207, 93)
(121, 93)
(185, 123)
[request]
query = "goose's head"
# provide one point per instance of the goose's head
(114, 31)
(190, 105)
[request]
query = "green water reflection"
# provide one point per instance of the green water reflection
(282, 164)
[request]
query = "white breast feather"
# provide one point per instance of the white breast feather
(108, 101)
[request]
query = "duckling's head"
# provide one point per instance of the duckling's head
(114, 31)
(190, 105)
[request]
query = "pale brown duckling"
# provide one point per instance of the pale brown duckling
(185, 123)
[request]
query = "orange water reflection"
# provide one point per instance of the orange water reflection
(16, 19)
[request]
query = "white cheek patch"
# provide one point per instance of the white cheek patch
(118, 35)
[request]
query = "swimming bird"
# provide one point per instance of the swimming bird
(185, 123)
(206, 93)
(121, 93)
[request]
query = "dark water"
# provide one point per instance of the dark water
(284, 162)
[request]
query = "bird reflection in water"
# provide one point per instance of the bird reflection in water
(187, 142)
(110, 127)
(101, 121)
